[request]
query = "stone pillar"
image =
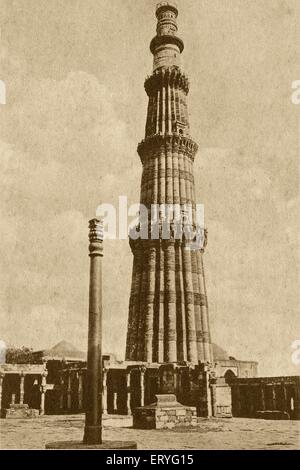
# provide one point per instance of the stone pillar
(297, 398)
(61, 392)
(211, 394)
(69, 391)
(1, 384)
(262, 395)
(22, 379)
(115, 401)
(104, 394)
(213, 389)
(284, 397)
(93, 416)
(176, 380)
(43, 392)
(142, 384)
(128, 384)
(80, 391)
(273, 397)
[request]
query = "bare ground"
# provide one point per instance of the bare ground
(235, 433)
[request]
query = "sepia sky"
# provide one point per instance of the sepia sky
(75, 112)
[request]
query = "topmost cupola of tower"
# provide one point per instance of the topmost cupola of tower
(166, 13)
(166, 46)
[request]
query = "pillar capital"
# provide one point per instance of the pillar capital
(96, 236)
(142, 369)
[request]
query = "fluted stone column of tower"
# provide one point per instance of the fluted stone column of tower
(168, 313)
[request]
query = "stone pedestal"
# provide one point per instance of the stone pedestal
(165, 413)
(20, 411)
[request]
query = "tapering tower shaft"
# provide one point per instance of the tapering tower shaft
(168, 311)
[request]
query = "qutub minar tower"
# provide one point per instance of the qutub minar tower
(168, 312)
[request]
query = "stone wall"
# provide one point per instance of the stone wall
(241, 369)
(223, 405)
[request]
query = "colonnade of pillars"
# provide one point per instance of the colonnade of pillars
(263, 397)
(128, 391)
(67, 393)
(43, 389)
(136, 393)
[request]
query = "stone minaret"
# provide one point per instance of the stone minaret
(168, 314)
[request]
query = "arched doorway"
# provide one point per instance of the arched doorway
(229, 376)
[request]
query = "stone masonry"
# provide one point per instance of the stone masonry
(165, 413)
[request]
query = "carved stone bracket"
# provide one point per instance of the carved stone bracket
(171, 76)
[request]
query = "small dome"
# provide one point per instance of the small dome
(219, 353)
(65, 350)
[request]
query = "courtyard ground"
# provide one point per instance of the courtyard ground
(235, 433)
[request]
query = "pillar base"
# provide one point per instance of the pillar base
(79, 445)
(92, 435)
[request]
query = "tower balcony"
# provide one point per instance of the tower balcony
(174, 143)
